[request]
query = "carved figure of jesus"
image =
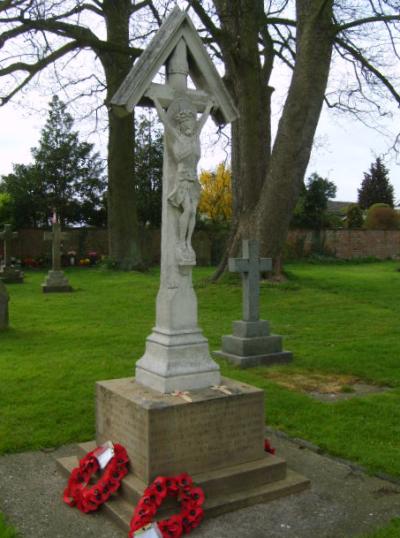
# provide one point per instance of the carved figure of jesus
(182, 130)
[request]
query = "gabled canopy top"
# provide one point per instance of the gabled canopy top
(201, 68)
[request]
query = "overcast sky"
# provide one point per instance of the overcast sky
(344, 148)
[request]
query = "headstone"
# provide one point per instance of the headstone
(178, 414)
(251, 343)
(56, 281)
(8, 273)
(4, 298)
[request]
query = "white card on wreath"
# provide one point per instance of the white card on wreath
(104, 454)
(149, 531)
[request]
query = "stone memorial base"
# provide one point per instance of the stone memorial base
(217, 437)
(9, 275)
(56, 282)
(251, 344)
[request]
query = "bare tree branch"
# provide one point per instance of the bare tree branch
(33, 69)
(368, 20)
(356, 54)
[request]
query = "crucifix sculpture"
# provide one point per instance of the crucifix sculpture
(177, 355)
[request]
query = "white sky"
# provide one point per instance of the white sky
(344, 148)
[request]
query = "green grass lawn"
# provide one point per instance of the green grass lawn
(336, 318)
(5, 530)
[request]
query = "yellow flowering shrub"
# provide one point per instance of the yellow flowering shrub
(216, 194)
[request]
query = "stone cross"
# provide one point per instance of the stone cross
(177, 356)
(7, 235)
(250, 266)
(56, 236)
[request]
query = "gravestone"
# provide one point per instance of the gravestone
(251, 343)
(56, 281)
(8, 273)
(4, 298)
(178, 414)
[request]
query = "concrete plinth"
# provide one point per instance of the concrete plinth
(218, 438)
(251, 344)
(9, 275)
(56, 282)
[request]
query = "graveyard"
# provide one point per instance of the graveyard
(52, 357)
(265, 403)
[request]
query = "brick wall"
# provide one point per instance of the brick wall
(30, 243)
(345, 244)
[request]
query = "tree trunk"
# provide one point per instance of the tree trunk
(296, 131)
(266, 184)
(247, 80)
(123, 232)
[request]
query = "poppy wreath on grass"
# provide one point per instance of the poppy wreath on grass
(190, 497)
(88, 498)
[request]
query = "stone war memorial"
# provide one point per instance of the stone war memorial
(8, 273)
(56, 281)
(251, 343)
(177, 414)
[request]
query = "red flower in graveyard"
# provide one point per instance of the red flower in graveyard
(171, 527)
(184, 481)
(268, 447)
(192, 518)
(193, 497)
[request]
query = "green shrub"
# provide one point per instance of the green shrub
(381, 217)
(354, 216)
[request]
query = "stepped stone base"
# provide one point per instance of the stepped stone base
(9, 275)
(251, 344)
(56, 282)
(226, 490)
(280, 357)
(217, 438)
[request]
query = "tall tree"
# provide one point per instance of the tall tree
(252, 38)
(36, 35)
(376, 187)
(66, 176)
(148, 171)
(311, 207)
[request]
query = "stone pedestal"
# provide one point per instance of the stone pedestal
(10, 275)
(4, 298)
(251, 344)
(56, 282)
(218, 438)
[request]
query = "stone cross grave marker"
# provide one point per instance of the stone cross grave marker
(177, 355)
(56, 236)
(250, 265)
(9, 274)
(56, 281)
(7, 236)
(251, 343)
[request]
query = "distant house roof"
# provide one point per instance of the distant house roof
(338, 207)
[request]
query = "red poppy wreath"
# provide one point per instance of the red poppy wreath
(191, 499)
(88, 498)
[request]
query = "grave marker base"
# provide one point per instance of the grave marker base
(56, 282)
(9, 275)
